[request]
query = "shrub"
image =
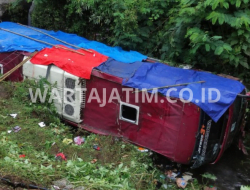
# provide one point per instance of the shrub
(211, 34)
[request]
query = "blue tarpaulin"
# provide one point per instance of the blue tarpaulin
(12, 42)
(115, 52)
(157, 75)
(119, 69)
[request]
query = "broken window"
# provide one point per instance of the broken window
(129, 113)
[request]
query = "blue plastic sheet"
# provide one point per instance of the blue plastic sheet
(115, 52)
(119, 69)
(157, 75)
(12, 42)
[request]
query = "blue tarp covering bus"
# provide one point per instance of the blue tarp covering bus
(12, 42)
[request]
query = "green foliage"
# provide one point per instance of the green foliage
(46, 111)
(64, 15)
(17, 12)
(244, 188)
(209, 176)
(216, 35)
(210, 34)
(127, 23)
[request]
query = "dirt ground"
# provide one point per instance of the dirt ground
(3, 93)
(232, 170)
(4, 187)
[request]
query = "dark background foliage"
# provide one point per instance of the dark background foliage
(212, 35)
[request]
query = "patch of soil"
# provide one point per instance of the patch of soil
(231, 171)
(5, 187)
(3, 93)
(15, 183)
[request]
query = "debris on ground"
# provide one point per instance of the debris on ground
(41, 124)
(162, 176)
(65, 185)
(61, 183)
(16, 129)
(93, 161)
(187, 176)
(61, 156)
(181, 182)
(56, 187)
(96, 147)
(174, 175)
(171, 175)
(142, 149)
(13, 115)
(79, 140)
(22, 156)
(165, 186)
(67, 141)
(187, 173)
(124, 156)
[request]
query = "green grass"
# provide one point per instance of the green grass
(119, 165)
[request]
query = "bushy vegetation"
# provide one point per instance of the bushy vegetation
(211, 34)
(216, 34)
(16, 12)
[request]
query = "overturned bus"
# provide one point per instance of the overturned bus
(183, 123)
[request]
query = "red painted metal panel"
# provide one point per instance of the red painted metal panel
(103, 119)
(226, 135)
(166, 128)
(9, 61)
(129, 131)
(189, 124)
(106, 76)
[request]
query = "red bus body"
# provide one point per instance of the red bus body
(173, 130)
